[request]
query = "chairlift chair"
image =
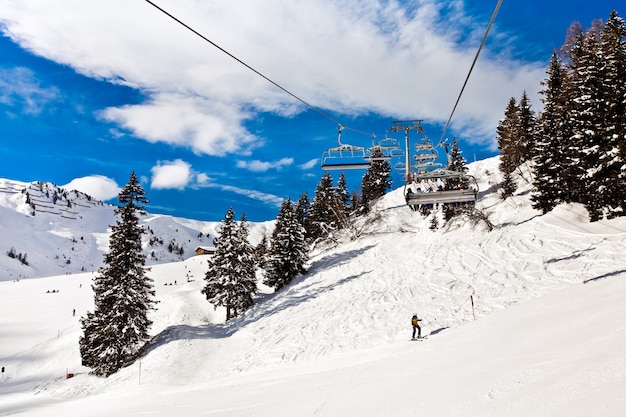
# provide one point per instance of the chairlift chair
(416, 196)
(426, 169)
(344, 156)
(388, 143)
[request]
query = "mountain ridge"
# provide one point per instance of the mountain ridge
(57, 231)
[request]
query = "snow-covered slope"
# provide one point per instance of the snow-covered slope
(58, 231)
(547, 339)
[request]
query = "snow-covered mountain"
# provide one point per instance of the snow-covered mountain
(47, 230)
(522, 320)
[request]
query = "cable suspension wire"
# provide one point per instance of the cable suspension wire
(324, 114)
(493, 18)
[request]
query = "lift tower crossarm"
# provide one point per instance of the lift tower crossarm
(407, 125)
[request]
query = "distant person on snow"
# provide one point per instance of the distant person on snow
(415, 322)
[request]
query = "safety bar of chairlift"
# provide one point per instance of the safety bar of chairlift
(424, 157)
(336, 167)
(437, 197)
(388, 143)
(345, 148)
(422, 166)
(378, 158)
(440, 173)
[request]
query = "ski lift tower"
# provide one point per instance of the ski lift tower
(407, 126)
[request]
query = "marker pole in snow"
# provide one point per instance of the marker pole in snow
(139, 371)
(472, 300)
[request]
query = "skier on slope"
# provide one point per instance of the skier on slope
(416, 326)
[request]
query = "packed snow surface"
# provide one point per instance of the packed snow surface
(522, 320)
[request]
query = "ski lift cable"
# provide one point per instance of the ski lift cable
(482, 43)
(318, 110)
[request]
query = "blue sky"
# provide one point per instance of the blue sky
(90, 91)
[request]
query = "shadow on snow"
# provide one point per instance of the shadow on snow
(291, 296)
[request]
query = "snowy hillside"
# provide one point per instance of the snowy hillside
(51, 231)
(547, 338)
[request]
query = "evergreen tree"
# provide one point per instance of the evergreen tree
(589, 109)
(583, 126)
(581, 142)
(288, 249)
(260, 252)
(456, 163)
(343, 193)
(115, 331)
(612, 176)
(571, 169)
(526, 130)
(354, 202)
(230, 278)
(554, 131)
(377, 179)
(322, 219)
(246, 271)
(303, 211)
(507, 186)
(510, 157)
(516, 135)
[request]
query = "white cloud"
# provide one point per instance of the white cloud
(262, 166)
(171, 174)
(202, 180)
(20, 88)
(310, 164)
(345, 57)
(255, 195)
(193, 122)
(97, 186)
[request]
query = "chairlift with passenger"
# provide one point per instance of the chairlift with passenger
(428, 188)
(426, 181)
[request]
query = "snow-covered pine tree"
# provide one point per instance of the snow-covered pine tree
(550, 187)
(613, 73)
(228, 278)
(354, 201)
(507, 186)
(588, 109)
(246, 276)
(377, 180)
(456, 163)
(570, 168)
(260, 252)
(526, 130)
(343, 193)
(288, 249)
(618, 60)
(597, 107)
(583, 128)
(507, 145)
(322, 219)
(303, 211)
(116, 330)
